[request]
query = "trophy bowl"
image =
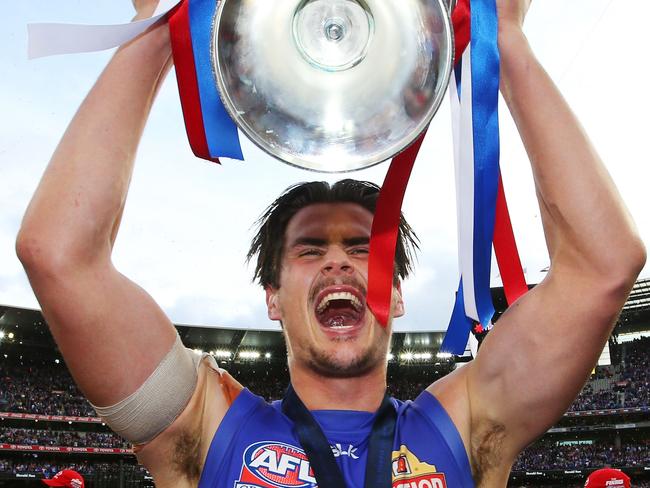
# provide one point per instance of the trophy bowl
(332, 85)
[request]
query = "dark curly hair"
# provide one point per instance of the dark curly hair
(268, 243)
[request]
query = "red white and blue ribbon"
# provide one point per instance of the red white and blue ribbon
(210, 130)
(474, 91)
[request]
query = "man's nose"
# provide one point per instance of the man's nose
(337, 262)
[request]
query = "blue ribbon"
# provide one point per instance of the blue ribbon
(459, 328)
(220, 130)
(485, 129)
(485, 117)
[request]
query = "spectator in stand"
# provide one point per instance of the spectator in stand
(608, 478)
(68, 478)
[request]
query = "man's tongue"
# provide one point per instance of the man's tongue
(338, 313)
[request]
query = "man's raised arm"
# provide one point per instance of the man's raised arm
(539, 355)
(111, 333)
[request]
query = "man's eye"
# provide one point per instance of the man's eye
(310, 252)
(359, 251)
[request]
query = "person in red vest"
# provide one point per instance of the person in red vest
(66, 477)
(608, 478)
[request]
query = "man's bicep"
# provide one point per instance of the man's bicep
(538, 356)
(110, 331)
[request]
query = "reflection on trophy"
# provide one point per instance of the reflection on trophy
(332, 85)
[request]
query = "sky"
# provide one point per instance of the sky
(187, 222)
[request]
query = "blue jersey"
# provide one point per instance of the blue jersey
(255, 447)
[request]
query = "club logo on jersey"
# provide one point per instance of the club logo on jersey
(270, 464)
(410, 472)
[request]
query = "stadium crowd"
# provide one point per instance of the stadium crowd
(549, 456)
(636, 374)
(48, 466)
(67, 438)
(635, 484)
(627, 384)
(42, 388)
(601, 400)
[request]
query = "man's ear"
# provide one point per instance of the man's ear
(272, 303)
(398, 309)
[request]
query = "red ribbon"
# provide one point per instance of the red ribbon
(181, 41)
(462, 21)
(385, 226)
(505, 248)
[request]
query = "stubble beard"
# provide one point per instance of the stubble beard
(329, 366)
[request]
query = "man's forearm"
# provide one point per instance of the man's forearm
(585, 220)
(78, 204)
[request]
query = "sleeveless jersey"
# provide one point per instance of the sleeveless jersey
(255, 447)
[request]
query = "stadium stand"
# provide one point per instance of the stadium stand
(46, 425)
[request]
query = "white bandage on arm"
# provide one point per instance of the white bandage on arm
(159, 401)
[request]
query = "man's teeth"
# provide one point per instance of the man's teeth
(340, 295)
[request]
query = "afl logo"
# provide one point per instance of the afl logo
(276, 465)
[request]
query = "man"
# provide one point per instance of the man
(66, 477)
(608, 478)
(170, 404)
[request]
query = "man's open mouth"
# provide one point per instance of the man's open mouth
(340, 308)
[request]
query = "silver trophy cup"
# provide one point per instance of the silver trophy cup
(332, 85)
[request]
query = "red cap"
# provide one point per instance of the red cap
(67, 477)
(608, 478)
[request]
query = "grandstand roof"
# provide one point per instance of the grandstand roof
(639, 298)
(635, 315)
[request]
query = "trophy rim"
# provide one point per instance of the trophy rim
(277, 152)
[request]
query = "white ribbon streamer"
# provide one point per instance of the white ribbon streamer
(464, 157)
(49, 39)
